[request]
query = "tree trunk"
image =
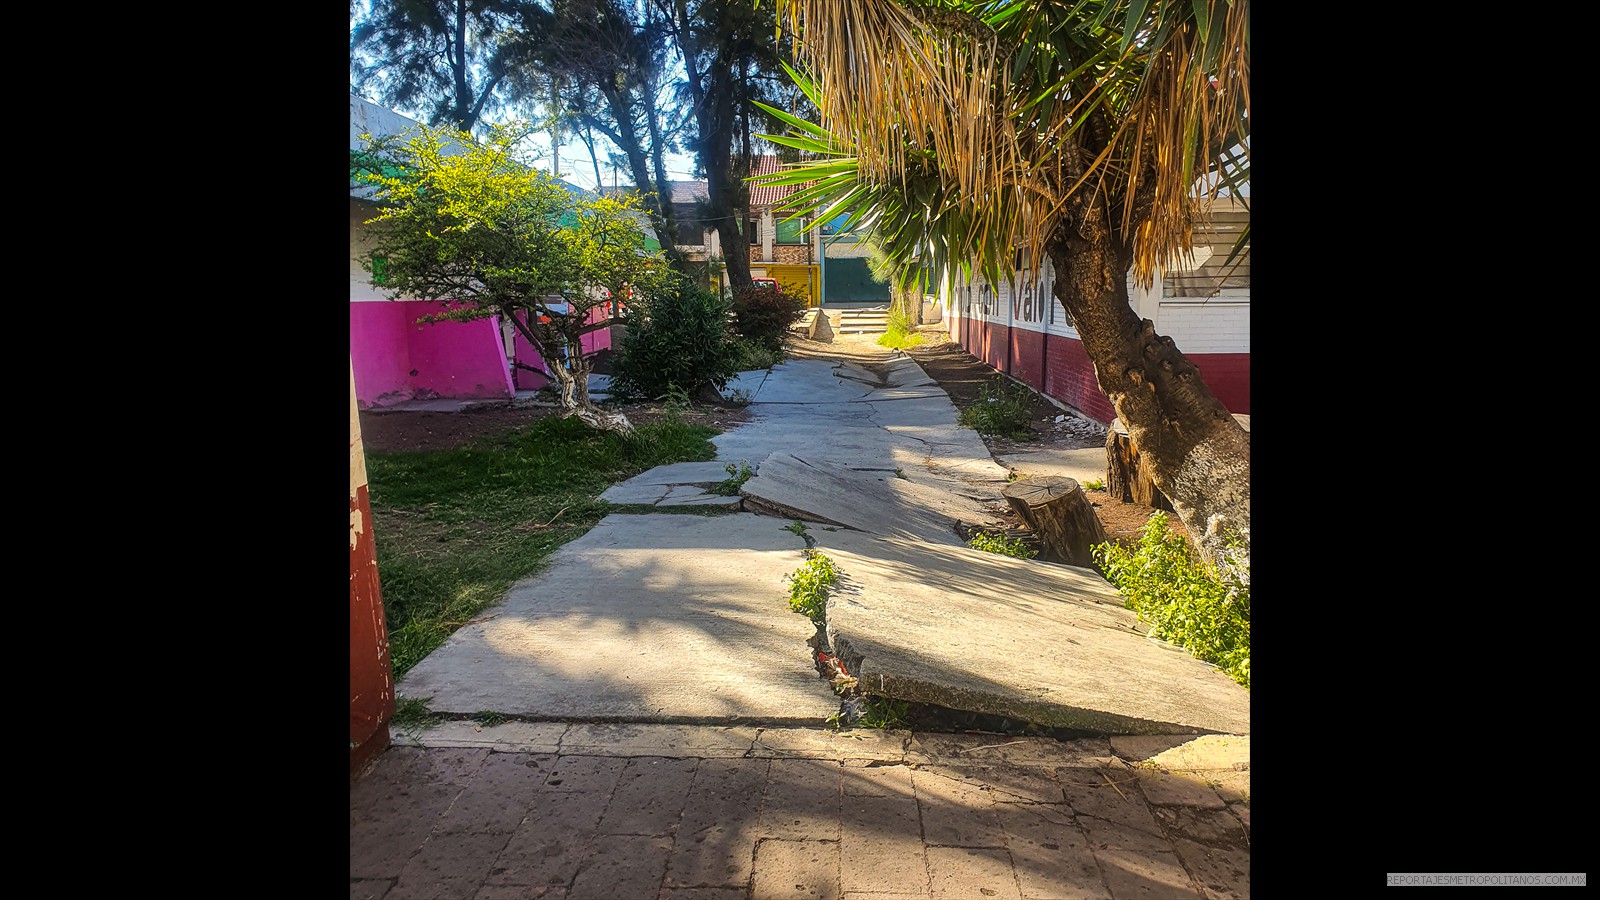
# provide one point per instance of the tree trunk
(1198, 454)
(1127, 476)
(1055, 508)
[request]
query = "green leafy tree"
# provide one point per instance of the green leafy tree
(1088, 133)
(452, 61)
(472, 226)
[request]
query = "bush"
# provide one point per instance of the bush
(1003, 409)
(898, 334)
(1185, 601)
(677, 342)
(749, 356)
(764, 315)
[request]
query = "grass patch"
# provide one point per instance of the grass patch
(809, 584)
(898, 333)
(1186, 602)
(999, 543)
(413, 713)
(1003, 409)
(456, 528)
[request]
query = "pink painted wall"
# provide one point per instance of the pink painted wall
(1060, 367)
(594, 341)
(397, 358)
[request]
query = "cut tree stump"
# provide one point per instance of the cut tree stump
(1055, 508)
(1127, 476)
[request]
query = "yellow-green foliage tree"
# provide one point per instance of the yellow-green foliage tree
(473, 227)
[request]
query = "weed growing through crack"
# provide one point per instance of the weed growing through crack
(488, 718)
(797, 526)
(413, 712)
(809, 584)
(737, 476)
(999, 543)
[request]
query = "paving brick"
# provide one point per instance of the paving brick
(880, 845)
(369, 889)
(950, 749)
(449, 866)
(583, 773)
(520, 892)
(498, 797)
(801, 870)
(551, 844)
(802, 800)
(716, 836)
(621, 865)
(1007, 783)
(1136, 863)
(411, 765)
(878, 781)
(972, 873)
(1187, 752)
(1178, 789)
(1111, 794)
(649, 796)
(956, 813)
(878, 895)
(1051, 854)
(391, 826)
(1232, 787)
(864, 744)
(1217, 827)
(704, 893)
(1243, 812)
(1223, 873)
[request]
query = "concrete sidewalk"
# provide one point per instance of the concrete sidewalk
(670, 741)
(640, 812)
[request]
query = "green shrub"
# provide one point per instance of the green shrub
(809, 584)
(1186, 602)
(750, 356)
(1003, 409)
(677, 341)
(999, 543)
(899, 333)
(763, 315)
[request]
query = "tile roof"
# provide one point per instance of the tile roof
(764, 195)
(688, 191)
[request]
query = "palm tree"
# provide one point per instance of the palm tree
(1076, 131)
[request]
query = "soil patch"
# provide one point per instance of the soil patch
(407, 430)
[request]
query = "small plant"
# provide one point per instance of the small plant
(1003, 409)
(739, 397)
(809, 584)
(797, 526)
(488, 718)
(1001, 544)
(1095, 484)
(881, 712)
(412, 713)
(898, 333)
(737, 476)
(751, 355)
(1185, 601)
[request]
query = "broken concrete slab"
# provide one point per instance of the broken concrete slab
(1082, 465)
(872, 499)
(648, 618)
(1045, 643)
(690, 495)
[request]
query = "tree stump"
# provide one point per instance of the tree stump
(1127, 476)
(1055, 508)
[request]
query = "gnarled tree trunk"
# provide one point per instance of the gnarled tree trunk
(1198, 454)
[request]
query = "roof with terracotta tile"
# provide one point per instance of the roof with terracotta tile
(765, 195)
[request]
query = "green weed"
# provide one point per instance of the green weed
(1001, 544)
(1003, 409)
(1185, 601)
(1095, 484)
(737, 476)
(809, 584)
